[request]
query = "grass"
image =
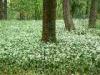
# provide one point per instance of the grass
(22, 52)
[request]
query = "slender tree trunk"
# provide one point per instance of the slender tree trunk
(22, 16)
(73, 8)
(5, 9)
(1, 10)
(69, 25)
(36, 16)
(87, 8)
(93, 13)
(49, 17)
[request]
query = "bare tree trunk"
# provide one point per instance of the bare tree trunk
(5, 9)
(1, 10)
(22, 16)
(87, 8)
(49, 17)
(93, 13)
(69, 25)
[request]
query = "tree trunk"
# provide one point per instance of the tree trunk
(93, 13)
(69, 25)
(49, 17)
(87, 9)
(1, 10)
(5, 9)
(22, 16)
(36, 12)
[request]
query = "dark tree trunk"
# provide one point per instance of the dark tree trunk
(87, 9)
(69, 25)
(5, 9)
(93, 13)
(22, 16)
(49, 17)
(1, 10)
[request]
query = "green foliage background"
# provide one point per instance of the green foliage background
(32, 9)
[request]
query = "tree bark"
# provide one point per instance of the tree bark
(87, 9)
(5, 9)
(22, 16)
(1, 10)
(49, 17)
(69, 25)
(93, 13)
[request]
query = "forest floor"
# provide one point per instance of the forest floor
(21, 51)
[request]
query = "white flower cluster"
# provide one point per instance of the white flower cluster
(20, 45)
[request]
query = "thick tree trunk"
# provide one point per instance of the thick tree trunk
(1, 10)
(69, 25)
(93, 13)
(49, 17)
